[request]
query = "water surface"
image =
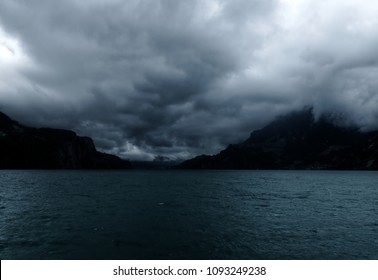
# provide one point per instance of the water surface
(188, 215)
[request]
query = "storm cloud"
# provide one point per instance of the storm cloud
(181, 78)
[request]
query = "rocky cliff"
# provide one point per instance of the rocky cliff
(297, 141)
(23, 147)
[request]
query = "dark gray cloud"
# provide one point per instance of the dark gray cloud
(180, 78)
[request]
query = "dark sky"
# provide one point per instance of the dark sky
(181, 78)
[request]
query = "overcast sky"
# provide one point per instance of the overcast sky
(181, 78)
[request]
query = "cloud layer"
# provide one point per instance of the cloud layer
(181, 78)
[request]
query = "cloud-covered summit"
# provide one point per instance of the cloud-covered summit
(180, 78)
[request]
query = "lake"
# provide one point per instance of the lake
(188, 214)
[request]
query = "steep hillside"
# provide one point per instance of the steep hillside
(297, 141)
(23, 147)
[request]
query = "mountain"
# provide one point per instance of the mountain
(23, 147)
(297, 141)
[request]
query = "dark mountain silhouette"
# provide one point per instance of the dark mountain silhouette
(297, 141)
(23, 147)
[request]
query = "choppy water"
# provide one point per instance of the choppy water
(188, 215)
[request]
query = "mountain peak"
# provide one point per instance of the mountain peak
(23, 147)
(297, 141)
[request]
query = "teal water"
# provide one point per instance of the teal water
(188, 215)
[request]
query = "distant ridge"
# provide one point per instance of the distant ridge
(297, 141)
(23, 147)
